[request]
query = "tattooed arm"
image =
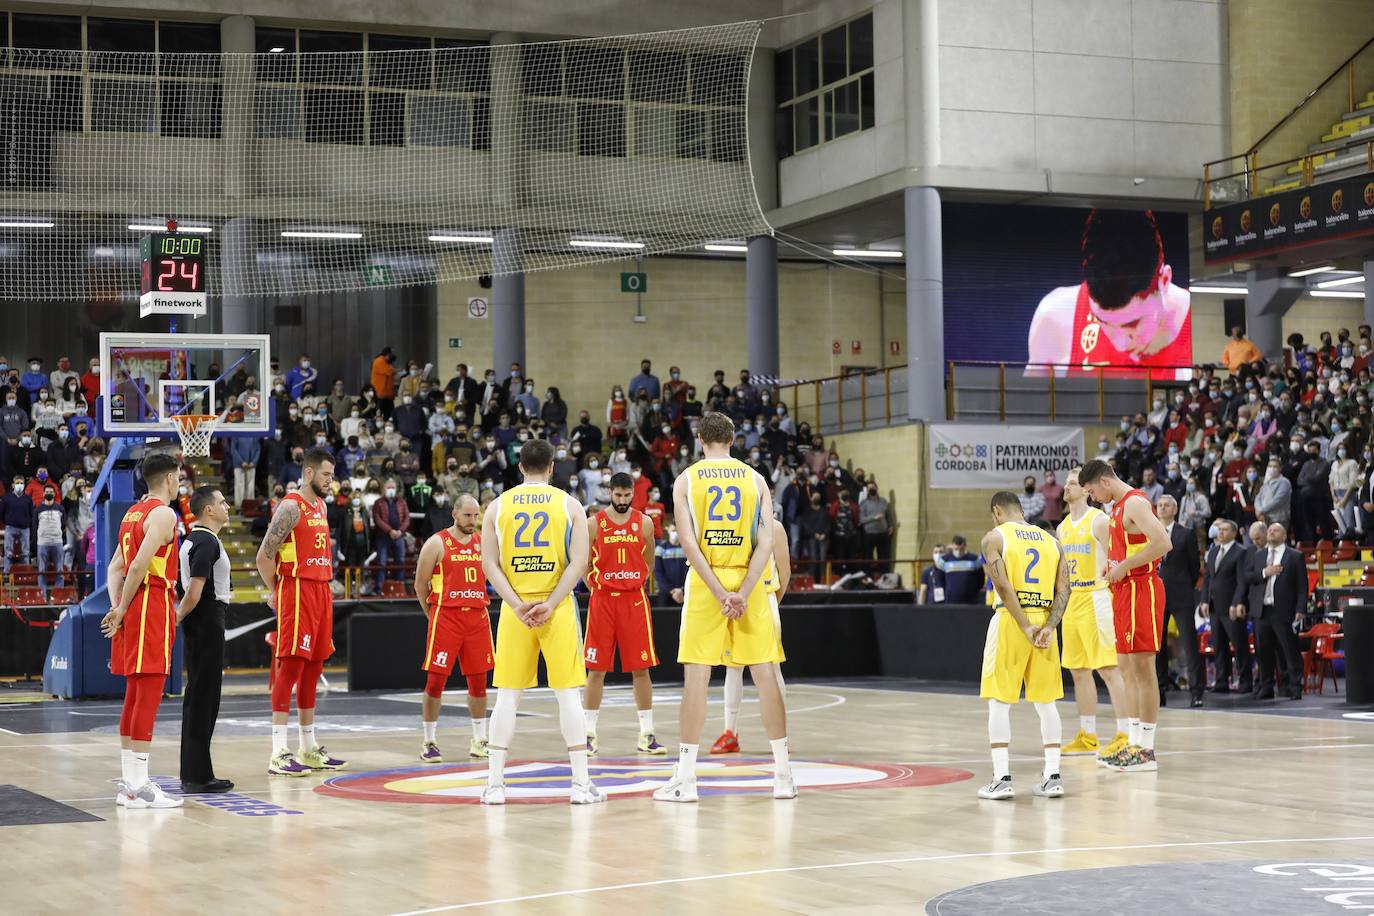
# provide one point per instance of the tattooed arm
(996, 569)
(283, 520)
(1061, 603)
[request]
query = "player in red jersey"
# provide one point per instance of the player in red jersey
(622, 542)
(1137, 540)
(452, 590)
(142, 623)
(296, 562)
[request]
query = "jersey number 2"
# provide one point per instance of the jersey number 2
(1035, 558)
(716, 494)
(524, 518)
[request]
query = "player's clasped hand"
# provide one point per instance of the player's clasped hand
(733, 605)
(1032, 633)
(1043, 637)
(536, 615)
(111, 622)
(1116, 574)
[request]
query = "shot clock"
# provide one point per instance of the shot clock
(173, 279)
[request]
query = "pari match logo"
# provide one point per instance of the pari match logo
(549, 782)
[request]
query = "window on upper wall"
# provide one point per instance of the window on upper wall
(823, 86)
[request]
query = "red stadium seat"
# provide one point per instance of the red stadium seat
(64, 595)
(29, 596)
(393, 588)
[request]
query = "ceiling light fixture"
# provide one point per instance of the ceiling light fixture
(865, 253)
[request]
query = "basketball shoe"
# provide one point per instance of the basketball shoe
(494, 795)
(677, 790)
(727, 743)
(589, 794)
(997, 790)
(151, 796)
(1112, 750)
(430, 753)
(285, 764)
(784, 786)
(1082, 743)
(648, 744)
(1134, 759)
(477, 749)
(1049, 787)
(317, 758)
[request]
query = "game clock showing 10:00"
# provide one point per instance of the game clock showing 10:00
(173, 263)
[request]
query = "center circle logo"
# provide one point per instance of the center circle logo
(548, 782)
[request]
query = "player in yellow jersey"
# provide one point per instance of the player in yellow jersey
(534, 539)
(726, 615)
(1089, 634)
(775, 581)
(1030, 575)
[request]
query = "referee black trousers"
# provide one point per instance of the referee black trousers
(203, 630)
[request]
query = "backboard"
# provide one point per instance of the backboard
(146, 379)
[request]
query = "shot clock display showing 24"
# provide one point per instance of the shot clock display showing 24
(173, 274)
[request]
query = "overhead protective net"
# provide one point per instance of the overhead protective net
(319, 172)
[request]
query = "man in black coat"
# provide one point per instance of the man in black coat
(1180, 569)
(1280, 574)
(1222, 591)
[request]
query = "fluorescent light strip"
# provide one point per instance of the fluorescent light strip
(865, 253)
(1343, 281)
(1336, 294)
(596, 243)
(312, 234)
(720, 246)
(162, 227)
(275, 50)
(469, 239)
(25, 224)
(1220, 290)
(1309, 271)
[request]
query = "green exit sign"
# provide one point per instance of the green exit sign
(634, 283)
(377, 274)
(455, 343)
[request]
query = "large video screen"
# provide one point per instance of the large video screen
(1068, 290)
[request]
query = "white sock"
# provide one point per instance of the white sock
(1123, 726)
(687, 763)
(1001, 763)
(431, 728)
(479, 729)
(1051, 761)
(496, 767)
(139, 778)
(126, 766)
(578, 759)
(734, 695)
(592, 715)
(646, 721)
(781, 765)
(1088, 724)
(1134, 732)
(278, 739)
(307, 736)
(1147, 735)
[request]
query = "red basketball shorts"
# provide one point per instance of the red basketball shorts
(620, 619)
(1138, 613)
(143, 642)
(459, 636)
(305, 618)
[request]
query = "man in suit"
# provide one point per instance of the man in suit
(1257, 556)
(1180, 569)
(1280, 574)
(1222, 592)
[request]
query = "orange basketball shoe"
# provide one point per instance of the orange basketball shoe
(727, 743)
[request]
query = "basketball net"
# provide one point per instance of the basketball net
(195, 430)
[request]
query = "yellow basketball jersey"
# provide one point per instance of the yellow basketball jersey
(1082, 553)
(724, 495)
(535, 533)
(770, 577)
(1032, 558)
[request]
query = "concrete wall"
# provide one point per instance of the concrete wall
(1308, 317)
(1280, 51)
(893, 458)
(582, 336)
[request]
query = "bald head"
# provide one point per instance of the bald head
(1277, 535)
(467, 515)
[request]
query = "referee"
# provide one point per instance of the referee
(205, 596)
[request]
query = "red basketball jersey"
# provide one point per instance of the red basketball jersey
(162, 571)
(306, 553)
(144, 644)
(618, 554)
(1121, 543)
(1090, 347)
(458, 579)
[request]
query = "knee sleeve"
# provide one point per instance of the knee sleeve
(126, 715)
(1051, 731)
(999, 722)
(310, 679)
(288, 674)
(734, 687)
(503, 717)
(147, 693)
(434, 684)
(477, 685)
(571, 721)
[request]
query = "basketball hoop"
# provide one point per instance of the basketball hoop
(195, 430)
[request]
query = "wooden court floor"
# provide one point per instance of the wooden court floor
(887, 819)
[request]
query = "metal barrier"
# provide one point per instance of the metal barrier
(863, 399)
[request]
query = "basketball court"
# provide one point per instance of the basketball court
(886, 820)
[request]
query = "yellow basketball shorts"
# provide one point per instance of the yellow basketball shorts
(1009, 661)
(781, 655)
(1089, 634)
(518, 648)
(708, 637)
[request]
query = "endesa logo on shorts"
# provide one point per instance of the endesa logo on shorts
(532, 564)
(718, 537)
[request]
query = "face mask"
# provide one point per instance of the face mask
(747, 426)
(605, 478)
(9, 402)
(42, 395)
(34, 367)
(1252, 475)
(1266, 414)
(389, 428)
(653, 496)
(1340, 453)
(357, 501)
(63, 434)
(1295, 447)
(754, 456)
(319, 440)
(1159, 403)
(490, 379)
(183, 490)
(672, 537)
(491, 443)
(1101, 445)
(310, 418)
(390, 492)
(279, 389)
(635, 474)
(1125, 426)
(24, 441)
(294, 412)
(562, 453)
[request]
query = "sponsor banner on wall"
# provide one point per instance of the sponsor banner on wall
(997, 457)
(1331, 210)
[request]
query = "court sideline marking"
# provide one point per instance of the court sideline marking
(903, 860)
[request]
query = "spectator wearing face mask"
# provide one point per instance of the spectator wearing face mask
(656, 512)
(643, 484)
(600, 492)
(526, 398)
(462, 448)
(243, 454)
(1239, 351)
(391, 521)
(490, 464)
(63, 452)
(670, 568)
(586, 434)
(318, 421)
(90, 383)
(814, 543)
(418, 495)
(1344, 482)
(16, 512)
(291, 471)
(299, 375)
(49, 525)
(35, 378)
(294, 429)
(26, 457)
(80, 517)
(407, 463)
(1312, 508)
(1273, 501)
(590, 476)
(47, 416)
(646, 381)
(691, 406)
(70, 401)
(440, 430)
(554, 413)
(675, 390)
(617, 417)
(932, 590)
(564, 466)
(384, 380)
(354, 534)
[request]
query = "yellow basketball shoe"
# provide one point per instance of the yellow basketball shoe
(1082, 743)
(1113, 750)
